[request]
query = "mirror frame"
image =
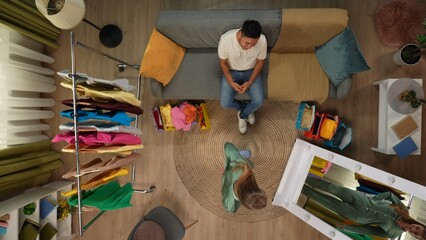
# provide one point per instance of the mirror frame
(297, 170)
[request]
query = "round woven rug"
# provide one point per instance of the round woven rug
(199, 155)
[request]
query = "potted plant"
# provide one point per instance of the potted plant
(410, 97)
(411, 54)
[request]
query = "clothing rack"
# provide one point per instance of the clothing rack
(122, 64)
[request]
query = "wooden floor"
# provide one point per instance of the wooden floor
(137, 18)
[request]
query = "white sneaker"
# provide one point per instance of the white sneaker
(251, 119)
(242, 124)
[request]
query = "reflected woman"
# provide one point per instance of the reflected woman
(238, 182)
(374, 216)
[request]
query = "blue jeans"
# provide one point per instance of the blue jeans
(255, 91)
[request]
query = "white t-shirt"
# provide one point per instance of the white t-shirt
(238, 58)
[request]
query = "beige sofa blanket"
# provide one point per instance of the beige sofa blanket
(294, 72)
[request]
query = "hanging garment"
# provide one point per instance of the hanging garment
(120, 149)
(106, 197)
(31, 172)
(83, 78)
(29, 163)
(97, 165)
(99, 180)
(120, 96)
(114, 116)
(95, 138)
(101, 105)
(100, 126)
(21, 185)
(24, 148)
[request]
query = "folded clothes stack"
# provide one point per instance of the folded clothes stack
(27, 165)
(180, 117)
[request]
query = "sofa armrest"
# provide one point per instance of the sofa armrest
(342, 90)
(156, 88)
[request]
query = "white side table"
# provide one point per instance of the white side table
(388, 117)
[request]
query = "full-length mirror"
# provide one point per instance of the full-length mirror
(345, 199)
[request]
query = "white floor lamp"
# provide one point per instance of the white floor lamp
(66, 14)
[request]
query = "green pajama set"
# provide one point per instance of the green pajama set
(231, 174)
(374, 215)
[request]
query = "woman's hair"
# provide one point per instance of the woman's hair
(408, 219)
(247, 190)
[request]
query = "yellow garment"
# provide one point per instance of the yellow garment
(328, 128)
(100, 179)
(319, 162)
(120, 149)
(206, 124)
(166, 116)
(118, 95)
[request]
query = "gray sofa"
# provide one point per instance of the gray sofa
(199, 74)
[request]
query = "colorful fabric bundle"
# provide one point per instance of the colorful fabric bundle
(181, 117)
(95, 138)
(110, 196)
(114, 116)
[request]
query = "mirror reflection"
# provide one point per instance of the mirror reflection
(361, 207)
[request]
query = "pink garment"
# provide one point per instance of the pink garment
(95, 138)
(178, 119)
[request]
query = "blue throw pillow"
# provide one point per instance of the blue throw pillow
(340, 57)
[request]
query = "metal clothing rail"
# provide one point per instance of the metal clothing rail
(83, 228)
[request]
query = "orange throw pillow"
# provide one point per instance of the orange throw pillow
(162, 58)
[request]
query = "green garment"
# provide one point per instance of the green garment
(29, 163)
(17, 186)
(106, 197)
(231, 173)
(18, 150)
(356, 236)
(32, 172)
(26, 165)
(375, 216)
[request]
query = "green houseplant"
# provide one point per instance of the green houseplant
(410, 97)
(411, 54)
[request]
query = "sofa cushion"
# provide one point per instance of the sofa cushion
(303, 29)
(198, 77)
(340, 57)
(296, 77)
(203, 28)
(162, 58)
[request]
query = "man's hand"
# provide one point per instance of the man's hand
(245, 86)
(237, 87)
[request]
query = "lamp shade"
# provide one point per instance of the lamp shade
(71, 14)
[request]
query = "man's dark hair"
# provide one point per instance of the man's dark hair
(251, 29)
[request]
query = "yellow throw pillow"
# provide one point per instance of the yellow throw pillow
(162, 58)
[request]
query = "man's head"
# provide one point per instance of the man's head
(249, 34)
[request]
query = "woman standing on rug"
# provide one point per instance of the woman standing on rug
(383, 215)
(238, 183)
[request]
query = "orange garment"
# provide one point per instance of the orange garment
(190, 112)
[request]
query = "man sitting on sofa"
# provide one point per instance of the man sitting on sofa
(242, 54)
